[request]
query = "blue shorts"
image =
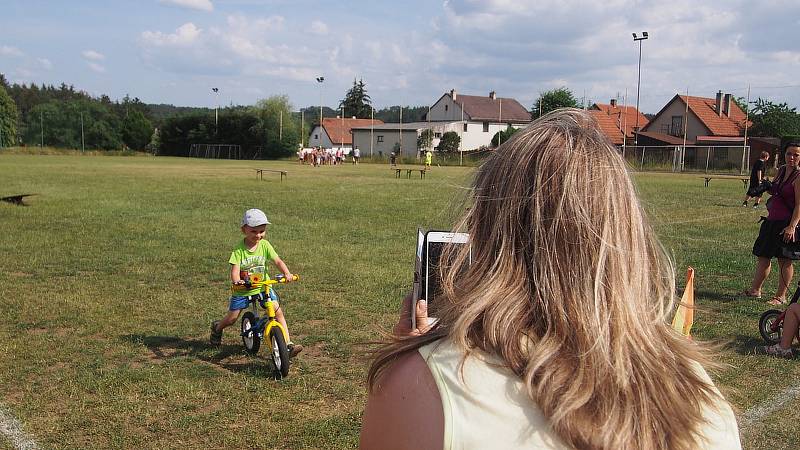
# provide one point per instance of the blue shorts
(238, 302)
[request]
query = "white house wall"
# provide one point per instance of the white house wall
(384, 141)
(315, 140)
(446, 110)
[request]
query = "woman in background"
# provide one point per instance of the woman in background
(555, 334)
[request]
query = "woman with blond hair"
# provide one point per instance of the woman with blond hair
(554, 335)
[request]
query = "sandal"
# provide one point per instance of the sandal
(776, 301)
(777, 350)
(751, 294)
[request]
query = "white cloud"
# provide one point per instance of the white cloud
(7, 50)
(185, 35)
(93, 55)
(319, 27)
(202, 5)
(96, 67)
(45, 63)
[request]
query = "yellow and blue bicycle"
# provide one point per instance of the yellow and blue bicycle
(255, 327)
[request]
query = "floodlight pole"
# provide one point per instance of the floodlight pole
(320, 80)
(638, 85)
(216, 109)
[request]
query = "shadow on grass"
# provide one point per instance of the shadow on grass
(718, 296)
(228, 357)
(745, 345)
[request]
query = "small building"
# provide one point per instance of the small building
(336, 132)
(382, 139)
(618, 122)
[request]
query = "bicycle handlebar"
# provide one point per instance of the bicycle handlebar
(265, 283)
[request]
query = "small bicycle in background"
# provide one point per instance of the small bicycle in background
(254, 328)
(770, 325)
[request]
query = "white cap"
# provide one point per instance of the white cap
(254, 218)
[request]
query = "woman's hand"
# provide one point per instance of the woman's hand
(789, 233)
(403, 326)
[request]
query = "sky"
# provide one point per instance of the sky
(407, 52)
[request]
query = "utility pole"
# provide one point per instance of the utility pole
(83, 146)
(41, 124)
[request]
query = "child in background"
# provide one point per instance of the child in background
(250, 258)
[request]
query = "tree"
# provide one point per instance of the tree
(136, 130)
(277, 132)
(503, 135)
(8, 119)
(773, 120)
(357, 102)
(449, 142)
(425, 139)
(552, 100)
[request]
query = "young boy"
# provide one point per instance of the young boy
(251, 257)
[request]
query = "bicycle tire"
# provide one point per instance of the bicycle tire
(250, 337)
(765, 324)
(280, 353)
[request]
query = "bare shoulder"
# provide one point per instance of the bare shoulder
(405, 409)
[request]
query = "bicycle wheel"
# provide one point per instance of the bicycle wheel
(280, 353)
(250, 337)
(765, 324)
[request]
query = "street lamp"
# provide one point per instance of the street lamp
(638, 84)
(320, 80)
(216, 109)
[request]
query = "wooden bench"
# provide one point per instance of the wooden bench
(398, 170)
(708, 178)
(260, 173)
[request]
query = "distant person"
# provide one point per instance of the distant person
(778, 228)
(392, 159)
(552, 325)
(356, 155)
(757, 174)
(249, 261)
(428, 159)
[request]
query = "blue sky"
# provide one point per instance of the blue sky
(409, 52)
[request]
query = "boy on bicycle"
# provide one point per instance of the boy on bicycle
(249, 263)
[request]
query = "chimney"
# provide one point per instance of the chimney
(493, 95)
(719, 103)
(726, 105)
(613, 103)
(453, 94)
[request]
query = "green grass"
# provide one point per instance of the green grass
(110, 279)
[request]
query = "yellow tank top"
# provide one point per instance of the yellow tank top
(485, 406)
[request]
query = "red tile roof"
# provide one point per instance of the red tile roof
(486, 108)
(339, 129)
(608, 124)
(705, 110)
(625, 116)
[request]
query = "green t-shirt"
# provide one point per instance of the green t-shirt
(254, 263)
(428, 157)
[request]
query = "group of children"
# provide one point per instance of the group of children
(250, 258)
(319, 156)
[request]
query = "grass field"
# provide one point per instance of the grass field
(109, 280)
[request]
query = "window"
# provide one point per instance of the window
(316, 137)
(437, 135)
(465, 127)
(485, 127)
(676, 127)
(380, 138)
(445, 108)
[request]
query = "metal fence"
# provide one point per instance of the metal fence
(689, 158)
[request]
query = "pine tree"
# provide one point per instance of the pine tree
(357, 102)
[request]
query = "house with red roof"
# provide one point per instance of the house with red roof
(337, 132)
(713, 121)
(712, 129)
(618, 123)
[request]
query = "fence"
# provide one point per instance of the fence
(229, 151)
(689, 158)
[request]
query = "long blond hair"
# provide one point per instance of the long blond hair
(570, 287)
